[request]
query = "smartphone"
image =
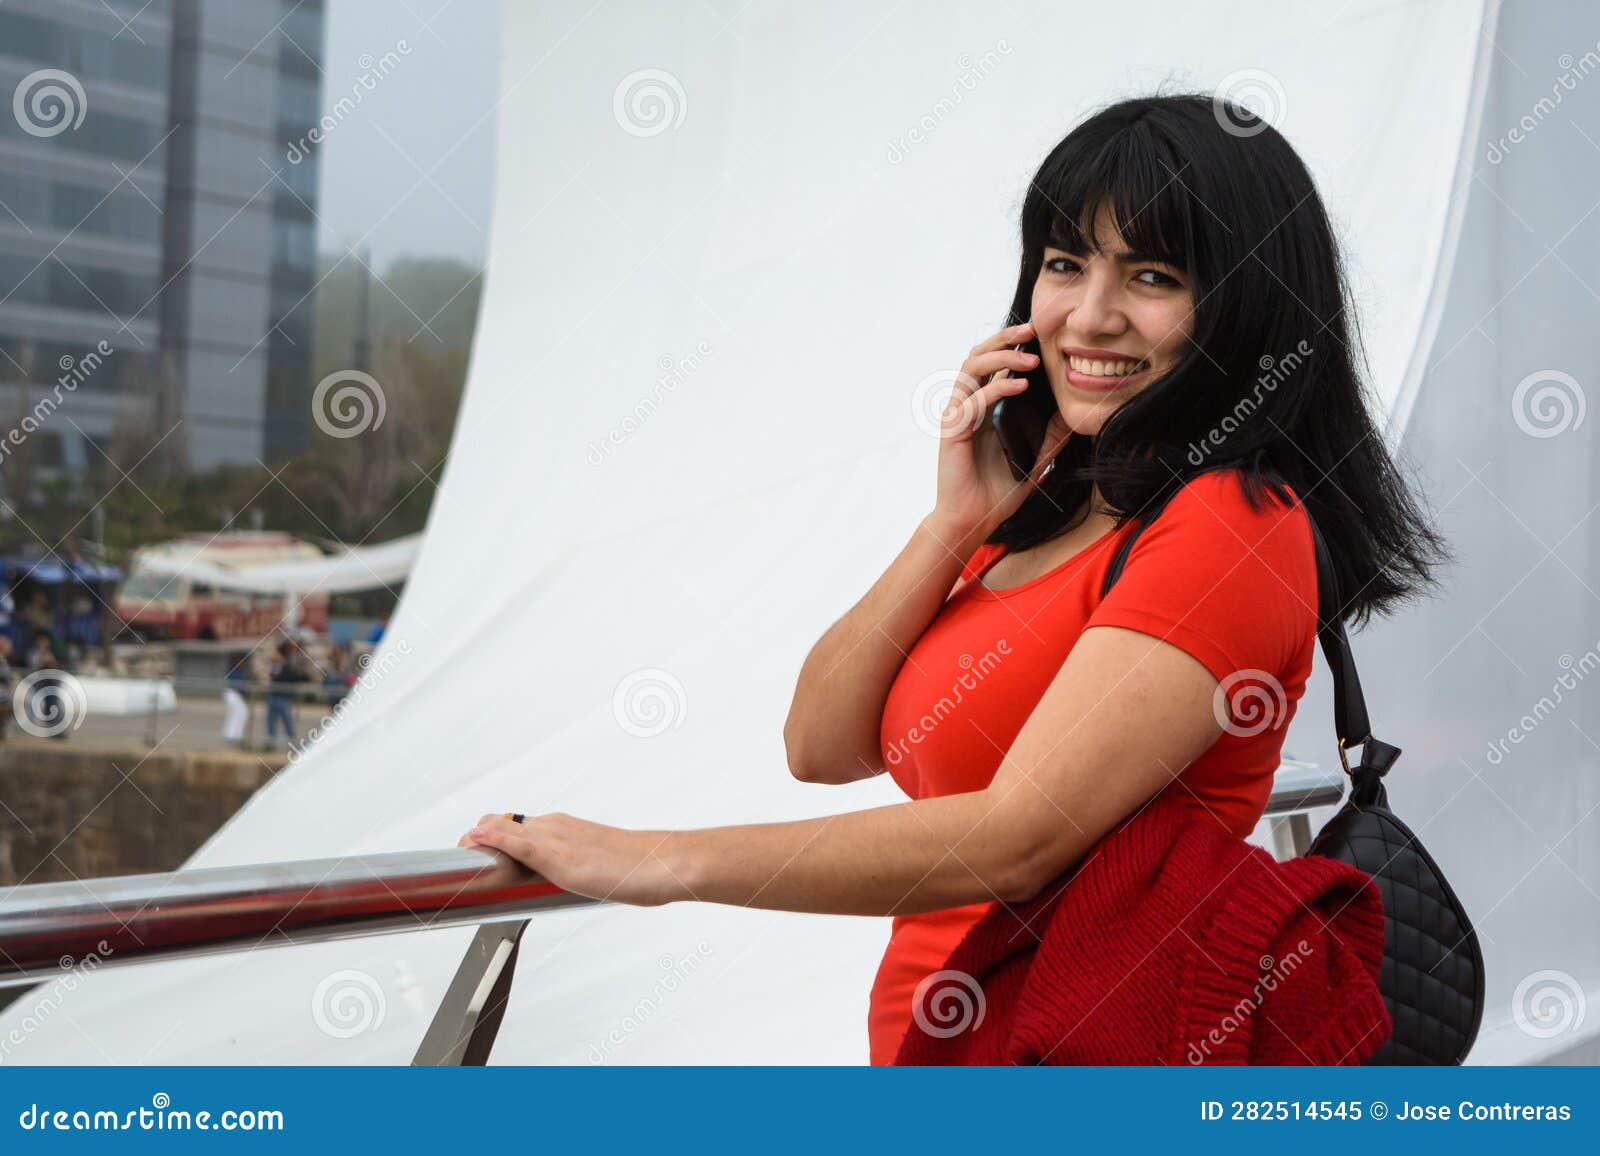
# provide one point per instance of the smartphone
(1020, 420)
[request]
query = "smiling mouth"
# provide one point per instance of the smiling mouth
(1092, 367)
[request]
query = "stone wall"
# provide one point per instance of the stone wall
(69, 811)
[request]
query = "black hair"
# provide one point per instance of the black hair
(1268, 383)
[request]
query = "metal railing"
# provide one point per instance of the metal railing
(131, 919)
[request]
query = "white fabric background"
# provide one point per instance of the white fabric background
(812, 284)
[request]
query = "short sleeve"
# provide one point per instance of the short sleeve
(1234, 587)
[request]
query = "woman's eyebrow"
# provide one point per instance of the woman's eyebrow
(1129, 258)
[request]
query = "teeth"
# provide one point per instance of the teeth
(1104, 368)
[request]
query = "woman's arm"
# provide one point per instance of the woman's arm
(832, 732)
(1122, 718)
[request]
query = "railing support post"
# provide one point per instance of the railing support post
(1291, 835)
(468, 1019)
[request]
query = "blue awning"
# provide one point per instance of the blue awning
(50, 571)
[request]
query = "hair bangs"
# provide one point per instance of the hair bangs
(1150, 206)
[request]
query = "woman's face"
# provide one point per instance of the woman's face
(1108, 326)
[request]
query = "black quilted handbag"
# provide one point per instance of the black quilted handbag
(1432, 973)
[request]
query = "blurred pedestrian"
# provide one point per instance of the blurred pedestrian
(46, 705)
(284, 672)
(235, 708)
(6, 677)
(337, 678)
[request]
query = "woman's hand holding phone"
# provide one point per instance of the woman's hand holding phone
(976, 488)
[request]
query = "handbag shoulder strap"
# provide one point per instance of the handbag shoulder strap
(1349, 704)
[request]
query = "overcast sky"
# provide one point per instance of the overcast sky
(433, 112)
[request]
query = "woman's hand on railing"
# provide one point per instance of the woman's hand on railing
(608, 863)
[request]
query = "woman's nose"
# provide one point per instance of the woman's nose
(1095, 311)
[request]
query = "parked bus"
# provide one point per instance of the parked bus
(156, 603)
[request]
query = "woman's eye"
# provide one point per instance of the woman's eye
(1066, 265)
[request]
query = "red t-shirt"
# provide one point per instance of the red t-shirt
(1234, 587)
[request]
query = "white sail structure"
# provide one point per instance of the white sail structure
(732, 246)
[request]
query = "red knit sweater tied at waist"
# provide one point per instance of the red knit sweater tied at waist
(1173, 942)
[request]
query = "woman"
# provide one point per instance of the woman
(1186, 323)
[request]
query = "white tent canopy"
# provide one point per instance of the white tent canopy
(697, 366)
(355, 568)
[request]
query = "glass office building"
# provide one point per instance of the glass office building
(147, 206)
